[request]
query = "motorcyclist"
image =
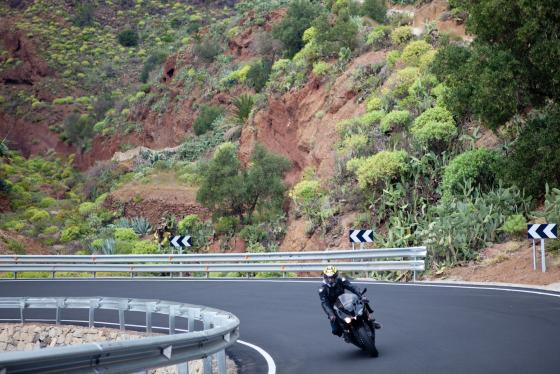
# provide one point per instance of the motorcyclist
(334, 286)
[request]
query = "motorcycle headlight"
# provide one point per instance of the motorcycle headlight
(347, 319)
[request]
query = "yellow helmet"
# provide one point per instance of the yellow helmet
(330, 271)
(330, 275)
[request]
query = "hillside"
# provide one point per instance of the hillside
(276, 125)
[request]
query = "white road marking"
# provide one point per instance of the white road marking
(267, 357)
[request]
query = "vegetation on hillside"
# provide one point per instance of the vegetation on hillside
(412, 164)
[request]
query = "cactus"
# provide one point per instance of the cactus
(140, 225)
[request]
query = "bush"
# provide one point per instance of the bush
(382, 166)
(398, 84)
(188, 224)
(86, 208)
(153, 61)
(78, 129)
(401, 35)
(253, 234)
(414, 51)
(144, 247)
(534, 159)
(375, 9)
(208, 114)
(208, 49)
(334, 39)
(477, 167)
(379, 37)
(128, 38)
(395, 119)
(321, 68)
(374, 103)
(258, 74)
(125, 234)
(299, 17)
(515, 225)
(70, 233)
(84, 14)
(435, 125)
(226, 225)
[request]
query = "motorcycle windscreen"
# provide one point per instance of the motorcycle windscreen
(347, 303)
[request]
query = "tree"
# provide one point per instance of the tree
(513, 62)
(229, 189)
(299, 17)
(223, 187)
(264, 179)
(375, 9)
(331, 38)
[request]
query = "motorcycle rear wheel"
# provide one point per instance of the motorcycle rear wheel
(366, 337)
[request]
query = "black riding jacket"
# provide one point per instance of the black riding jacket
(329, 295)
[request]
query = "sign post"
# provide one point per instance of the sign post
(541, 231)
(361, 236)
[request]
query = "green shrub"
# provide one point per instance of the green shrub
(401, 35)
(515, 225)
(371, 118)
(299, 17)
(208, 114)
(398, 84)
(128, 38)
(84, 14)
(153, 61)
(208, 49)
(86, 208)
(354, 145)
(433, 126)
(392, 57)
(384, 165)
(226, 225)
(36, 215)
(374, 103)
(534, 159)
(414, 51)
(125, 234)
(375, 9)
(395, 119)
(144, 247)
(70, 233)
(306, 191)
(321, 68)
(78, 129)
(253, 234)
(477, 166)
(340, 37)
(188, 223)
(47, 202)
(258, 74)
(379, 37)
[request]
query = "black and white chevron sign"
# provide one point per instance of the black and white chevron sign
(361, 236)
(181, 241)
(542, 231)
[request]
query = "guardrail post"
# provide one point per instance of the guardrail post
(91, 312)
(171, 320)
(207, 363)
(414, 272)
(121, 315)
(183, 368)
(221, 358)
(15, 274)
(59, 304)
(190, 320)
(149, 318)
(21, 308)
(52, 275)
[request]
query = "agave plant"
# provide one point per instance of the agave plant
(108, 247)
(140, 225)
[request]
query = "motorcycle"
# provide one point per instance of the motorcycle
(356, 319)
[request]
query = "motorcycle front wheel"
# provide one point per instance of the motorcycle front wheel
(366, 337)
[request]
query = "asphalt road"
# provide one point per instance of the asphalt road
(427, 329)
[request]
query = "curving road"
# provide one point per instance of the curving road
(427, 328)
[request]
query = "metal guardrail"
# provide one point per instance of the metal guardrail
(356, 260)
(221, 329)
